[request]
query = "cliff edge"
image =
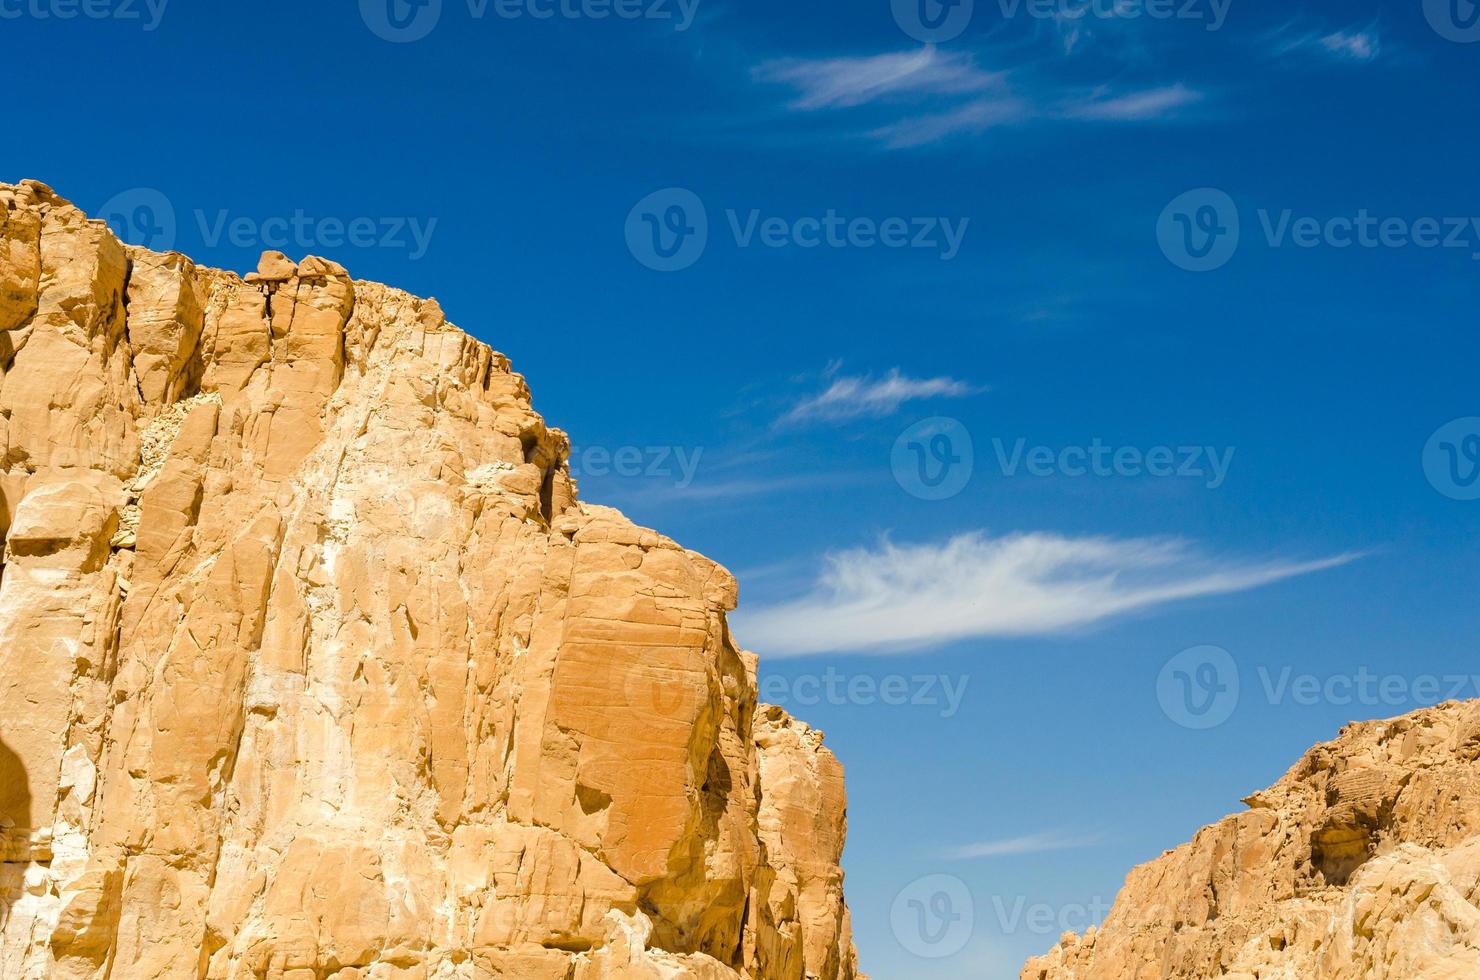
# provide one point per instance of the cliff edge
(1363, 863)
(313, 665)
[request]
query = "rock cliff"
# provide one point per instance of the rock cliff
(1363, 863)
(313, 665)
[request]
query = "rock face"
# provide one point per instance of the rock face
(1363, 863)
(313, 665)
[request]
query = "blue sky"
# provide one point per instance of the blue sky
(1002, 369)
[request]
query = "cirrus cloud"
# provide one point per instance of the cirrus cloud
(832, 83)
(1349, 44)
(1017, 846)
(900, 598)
(858, 397)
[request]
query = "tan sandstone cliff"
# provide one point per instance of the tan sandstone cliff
(1363, 863)
(312, 665)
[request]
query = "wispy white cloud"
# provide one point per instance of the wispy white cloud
(832, 83)
(1031, 844)
(1357, 45)
(928, 95)
(857, 397)
(1147, 104)
(1071, 32)
(977, 116)
(1352, 44)
(907, 597)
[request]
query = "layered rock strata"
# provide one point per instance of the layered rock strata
(313, 666)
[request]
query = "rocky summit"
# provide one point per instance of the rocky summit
(1363, 863)
(314, 666)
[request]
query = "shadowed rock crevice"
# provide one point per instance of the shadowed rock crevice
(15, 797)
(15, 827)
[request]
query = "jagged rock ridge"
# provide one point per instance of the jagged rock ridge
(313, 665)
(1363, 863)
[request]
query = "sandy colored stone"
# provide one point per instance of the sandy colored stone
(313, 664)
(1363, 863)
(802, 927)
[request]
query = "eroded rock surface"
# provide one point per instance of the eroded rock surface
(313, 665)
(1363, 863)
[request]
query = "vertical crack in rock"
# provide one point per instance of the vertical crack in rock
(314, 666)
